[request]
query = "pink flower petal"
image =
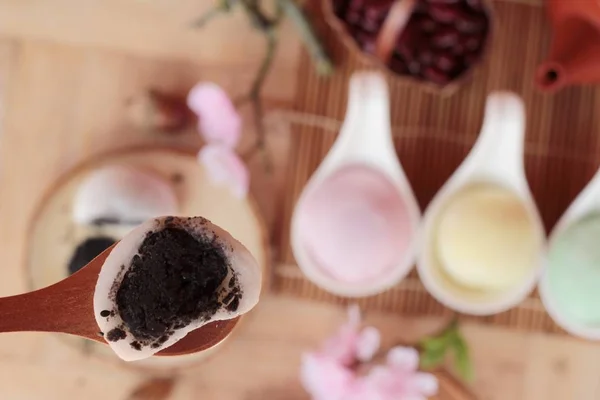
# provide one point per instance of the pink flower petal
(426, 384)
(224, 166)
(399, 384)
(323, 378)
(218, 120)
(342, 346)
(379, 376)
(409, 397)
(361, 389)
(403, 358)
(367, 344)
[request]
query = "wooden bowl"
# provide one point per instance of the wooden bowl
(53, 236)
(339, 28)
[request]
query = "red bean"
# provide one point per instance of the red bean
(471, 59)
(352, 17)
(472, 43)
(369, 25)
(407, 42)
(475, 4)
(405, 49)
(445, 38)
(339, 6)
(356, 5)
(366, 41)
(377, 9)
(420, 7)
(443, 13)
(458, 49)
(436, 76)
(470, 23)
(425, 57)
(445, 62)
(414, 67)
(426, 24)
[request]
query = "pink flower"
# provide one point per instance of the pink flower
(403, 358)
(324, 378)
(218, 120)
(328, 374)
(367, 344)
(360, 389)
(350, 343)
(224, 166)
(399, 378)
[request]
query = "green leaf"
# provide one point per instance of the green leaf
(452, 330)
(434, 343)
(432, 359)
(462, 359)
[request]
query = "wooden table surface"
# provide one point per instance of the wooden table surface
(66, 69)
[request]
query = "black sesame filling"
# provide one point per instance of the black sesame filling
(174, 279)
(87, 251)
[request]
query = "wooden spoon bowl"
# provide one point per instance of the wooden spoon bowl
(67, 307)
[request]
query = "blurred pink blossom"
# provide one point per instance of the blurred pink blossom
(218, 120)
(330, 373)
(220, 125)
(224, 166)
(350, 344)
(367, 344)
(324, 378)
(399, 378)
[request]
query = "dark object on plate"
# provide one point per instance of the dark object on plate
(87, 251)
(436, 41)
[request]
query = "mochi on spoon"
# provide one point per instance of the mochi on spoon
(167, 277)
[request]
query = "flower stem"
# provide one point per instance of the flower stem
(267, 25)
(220, 8)
(256, 98)
(322, 61)
(265, 66)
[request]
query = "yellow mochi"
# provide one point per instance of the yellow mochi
(486, 238)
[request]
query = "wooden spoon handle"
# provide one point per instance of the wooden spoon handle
(61, 307)
(66, 306)
(44, 310)
(392, 27)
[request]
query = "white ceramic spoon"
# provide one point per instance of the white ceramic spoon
(365, 140)
(587, 202)
(497, 159)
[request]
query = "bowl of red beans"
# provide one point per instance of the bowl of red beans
(434, 42)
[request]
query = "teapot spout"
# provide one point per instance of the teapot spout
(551, 76)
(574, 56)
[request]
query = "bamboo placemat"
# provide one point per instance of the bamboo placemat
(435, 132)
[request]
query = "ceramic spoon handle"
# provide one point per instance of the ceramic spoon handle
(499, 149)
(366, 135)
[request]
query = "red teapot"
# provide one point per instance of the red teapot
(575, 50)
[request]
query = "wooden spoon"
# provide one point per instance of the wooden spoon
(392, 27)
(67, 307)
